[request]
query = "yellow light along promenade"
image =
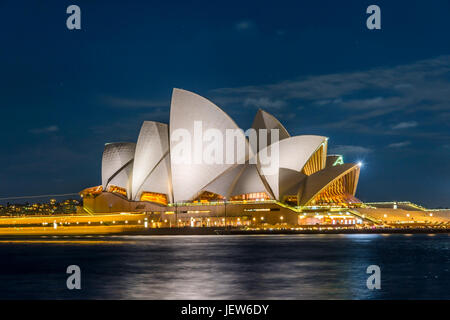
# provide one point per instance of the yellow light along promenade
(72, 224)
(261, 217)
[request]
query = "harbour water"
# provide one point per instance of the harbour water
(228, 267)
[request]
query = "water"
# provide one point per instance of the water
(228, 267)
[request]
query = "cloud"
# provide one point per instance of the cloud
(327, 102)
(48, 129)
(264, 103)
(349, 150)
(244, 25)
(399, 144)
(131, 103)
(365, 103)
(427, 74)
(404, 125)
(127, 128)
(361, 97)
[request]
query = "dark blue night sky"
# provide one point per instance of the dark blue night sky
(382, 96)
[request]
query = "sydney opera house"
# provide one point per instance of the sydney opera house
(201, 174)
(153, 176)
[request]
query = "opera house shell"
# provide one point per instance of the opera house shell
(147, 171)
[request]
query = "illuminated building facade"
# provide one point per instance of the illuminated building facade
(146, 176)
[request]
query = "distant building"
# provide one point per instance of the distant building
(69, 206)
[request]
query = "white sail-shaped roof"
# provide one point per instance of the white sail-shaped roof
(157, 181)
(264, 120)
(289, 182)
(123, 179)
(152, 146)
(117, 164)
(190, 173)
(287, 167)
(250, 182)
(291, 153)
(225, 182)
(320, 180)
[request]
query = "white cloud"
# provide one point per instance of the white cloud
(366, 103)
(404, 125)
(131, 103)
(349, 150)
(399, 144)
(360, 101)
(48, 129)
(264, 103)
(244, 25)
(402, 80)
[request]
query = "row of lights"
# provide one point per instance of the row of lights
(385, 215)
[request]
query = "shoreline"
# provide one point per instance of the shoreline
(237, 231)
(208, 231)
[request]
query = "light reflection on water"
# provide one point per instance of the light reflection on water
(54, 242)
(229, 267)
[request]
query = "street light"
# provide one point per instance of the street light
(225, 204)
(176, 213)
